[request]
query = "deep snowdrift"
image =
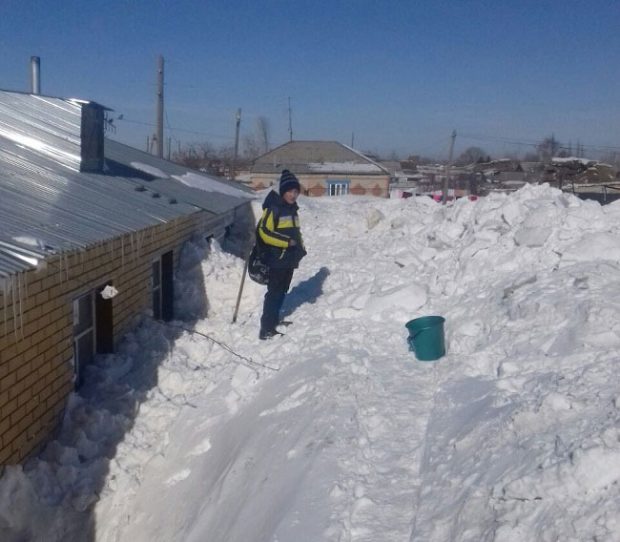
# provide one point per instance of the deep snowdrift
(335, 432)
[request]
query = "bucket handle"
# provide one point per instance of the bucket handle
(411, 339)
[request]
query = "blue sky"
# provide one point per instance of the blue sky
(389, 76)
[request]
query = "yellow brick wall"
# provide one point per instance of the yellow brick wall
(316, 184)
(36, 324)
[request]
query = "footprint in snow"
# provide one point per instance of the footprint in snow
(201, 448)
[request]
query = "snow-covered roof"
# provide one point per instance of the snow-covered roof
(317, 157)
(343, 167)
(573, 159)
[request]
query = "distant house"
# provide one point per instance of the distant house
(324, 168)
(90, 234)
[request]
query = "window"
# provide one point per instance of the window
(337, 187)
(93, 330)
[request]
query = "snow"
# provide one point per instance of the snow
(335, 432)
(345, 167)
(151, 170)
(573, 159)
(210, 185)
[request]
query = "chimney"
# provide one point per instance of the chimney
(35, 69)
(92, 135)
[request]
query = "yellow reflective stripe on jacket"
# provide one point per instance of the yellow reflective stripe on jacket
(268, 233)
(286, 222)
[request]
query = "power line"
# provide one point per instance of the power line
(124, 119)
(499, 139)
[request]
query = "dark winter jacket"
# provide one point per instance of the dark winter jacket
(279, 224)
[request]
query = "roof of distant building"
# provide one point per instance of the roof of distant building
(303, 157)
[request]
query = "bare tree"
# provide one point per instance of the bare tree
(205, 157)
(611, 158)
(471, 155)
(257, 143)
(251, 148)
(548, 148)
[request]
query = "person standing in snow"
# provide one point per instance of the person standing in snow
(283, 248)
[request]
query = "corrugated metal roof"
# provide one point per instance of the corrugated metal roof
(45, 210)
(47, 206)
(174, 180)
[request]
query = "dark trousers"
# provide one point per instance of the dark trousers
(279, 282)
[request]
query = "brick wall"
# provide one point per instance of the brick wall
(316, 185)
(36, 323)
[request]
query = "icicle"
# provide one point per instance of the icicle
(140, 236)
(122, 254)
(134, 245)
(26, 285)
(21, 305)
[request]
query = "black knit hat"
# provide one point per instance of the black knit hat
(288, 181)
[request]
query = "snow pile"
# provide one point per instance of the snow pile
(198, 431)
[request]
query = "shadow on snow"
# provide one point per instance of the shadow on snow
(307, 291)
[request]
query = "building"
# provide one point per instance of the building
(90, 233)
(324, 168)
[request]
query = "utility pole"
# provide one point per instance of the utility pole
(352, 140)
(160, 107)
(444, 197)
(290, 121)
(236, 153)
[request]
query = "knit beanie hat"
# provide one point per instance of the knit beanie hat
(288, 181)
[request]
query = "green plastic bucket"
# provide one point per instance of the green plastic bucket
(426, 337)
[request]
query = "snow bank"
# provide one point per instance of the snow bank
(334, 431)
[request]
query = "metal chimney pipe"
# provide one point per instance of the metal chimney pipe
(35, 66)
